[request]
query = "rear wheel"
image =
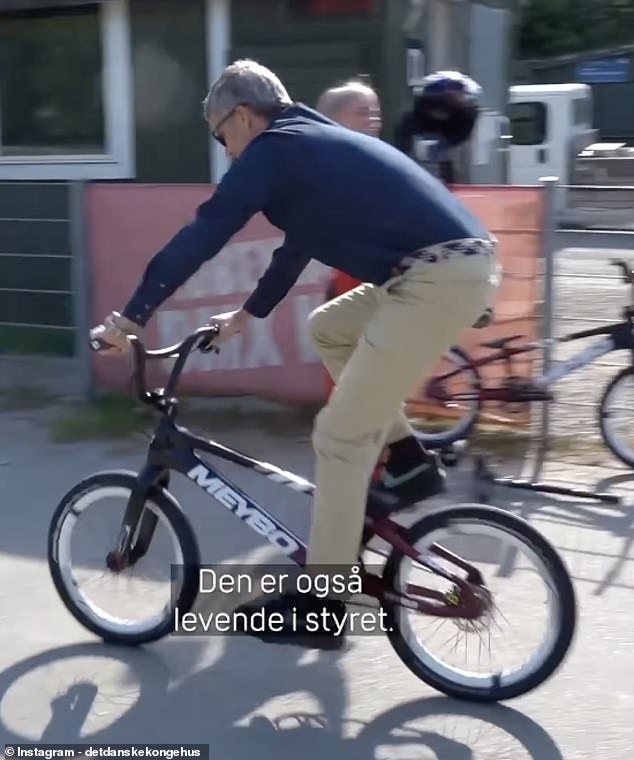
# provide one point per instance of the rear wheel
(455, 418)
(616, 416)
(512, 549)
(126, 605)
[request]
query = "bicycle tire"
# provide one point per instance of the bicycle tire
(603, 415)
(559, 577)
(163, 503)
(464, 425)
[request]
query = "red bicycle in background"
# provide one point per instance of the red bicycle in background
(462, 391)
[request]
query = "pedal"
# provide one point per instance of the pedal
(452, 454)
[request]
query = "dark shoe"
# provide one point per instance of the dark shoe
(411, 475)
(296, 619)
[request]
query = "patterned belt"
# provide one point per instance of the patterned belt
(444, 251)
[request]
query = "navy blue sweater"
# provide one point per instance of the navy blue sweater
(346, 199)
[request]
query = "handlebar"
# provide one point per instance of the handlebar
(201, 339)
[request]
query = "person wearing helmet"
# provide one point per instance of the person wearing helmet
(444, 112)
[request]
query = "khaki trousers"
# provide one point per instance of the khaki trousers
(377, 342)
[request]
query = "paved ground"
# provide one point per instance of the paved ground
(60, 684)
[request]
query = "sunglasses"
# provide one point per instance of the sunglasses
(218, 137)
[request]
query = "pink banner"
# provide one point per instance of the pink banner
(274, 358)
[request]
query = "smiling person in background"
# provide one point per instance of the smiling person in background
(353, 104)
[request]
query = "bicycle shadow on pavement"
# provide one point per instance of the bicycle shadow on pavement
(165, 696)
(598, 524)
(225, 706)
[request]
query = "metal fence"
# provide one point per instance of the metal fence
(600, 206)
(584, 291)
(581, 291)
(44, 287)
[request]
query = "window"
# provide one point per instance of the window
(57, 67)
(528, 123)
(582, 111)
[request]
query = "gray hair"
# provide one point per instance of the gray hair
(334, 98)
(246, 82)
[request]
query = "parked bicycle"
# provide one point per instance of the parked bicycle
(472, 392)
(464, 599)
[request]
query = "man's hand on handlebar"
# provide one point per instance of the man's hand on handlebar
(114, 332)
(230, 323)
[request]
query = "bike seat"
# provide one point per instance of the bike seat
(501, 342)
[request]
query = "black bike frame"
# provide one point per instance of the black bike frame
(174, 448)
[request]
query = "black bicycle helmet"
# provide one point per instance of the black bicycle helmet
(445, 109)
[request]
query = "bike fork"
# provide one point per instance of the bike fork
(139, 524)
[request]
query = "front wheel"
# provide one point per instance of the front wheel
(615, 412)
(122, 604)
(442, 651)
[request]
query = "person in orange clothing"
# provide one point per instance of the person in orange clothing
(353, 104)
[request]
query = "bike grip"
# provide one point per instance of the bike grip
(96, 344)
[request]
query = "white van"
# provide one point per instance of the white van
(550, 124)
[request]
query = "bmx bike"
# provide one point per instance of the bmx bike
(464, 599)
